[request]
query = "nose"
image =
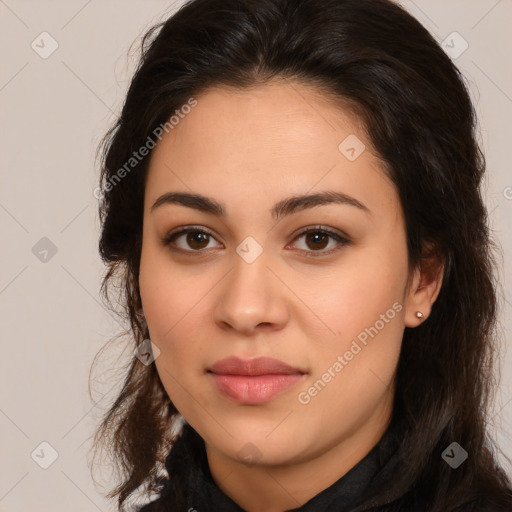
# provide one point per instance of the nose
(252, 298)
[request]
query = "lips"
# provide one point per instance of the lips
(251, 367)
(253, 381)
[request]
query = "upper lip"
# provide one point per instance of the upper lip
(257, 366)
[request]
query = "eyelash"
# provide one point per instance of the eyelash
(167, 240)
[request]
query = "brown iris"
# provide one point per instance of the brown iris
(196, 238)
(317, 237)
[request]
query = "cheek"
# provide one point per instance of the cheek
(367, 334)
(355, 296)
(172, 307)
(362, 306)
(354, 364)
(171, 299)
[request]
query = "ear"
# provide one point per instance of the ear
(424, 288)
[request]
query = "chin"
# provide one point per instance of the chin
(259, 448)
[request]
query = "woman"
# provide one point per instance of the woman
(291, 202)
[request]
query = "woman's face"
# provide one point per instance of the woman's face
(248, 283)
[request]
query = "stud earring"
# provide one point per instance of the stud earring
(419, 314)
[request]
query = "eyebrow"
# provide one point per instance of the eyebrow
(283, 208)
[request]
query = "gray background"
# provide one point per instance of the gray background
(53, 112)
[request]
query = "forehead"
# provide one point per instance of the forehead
(278, 138)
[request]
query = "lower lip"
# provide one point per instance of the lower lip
(256, 389)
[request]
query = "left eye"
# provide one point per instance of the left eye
(316, 240)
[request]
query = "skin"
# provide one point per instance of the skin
(248, 150)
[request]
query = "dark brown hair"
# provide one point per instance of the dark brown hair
(375, 57)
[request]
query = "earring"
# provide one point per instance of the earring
(419, 314)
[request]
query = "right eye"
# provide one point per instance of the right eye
(196, 239)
